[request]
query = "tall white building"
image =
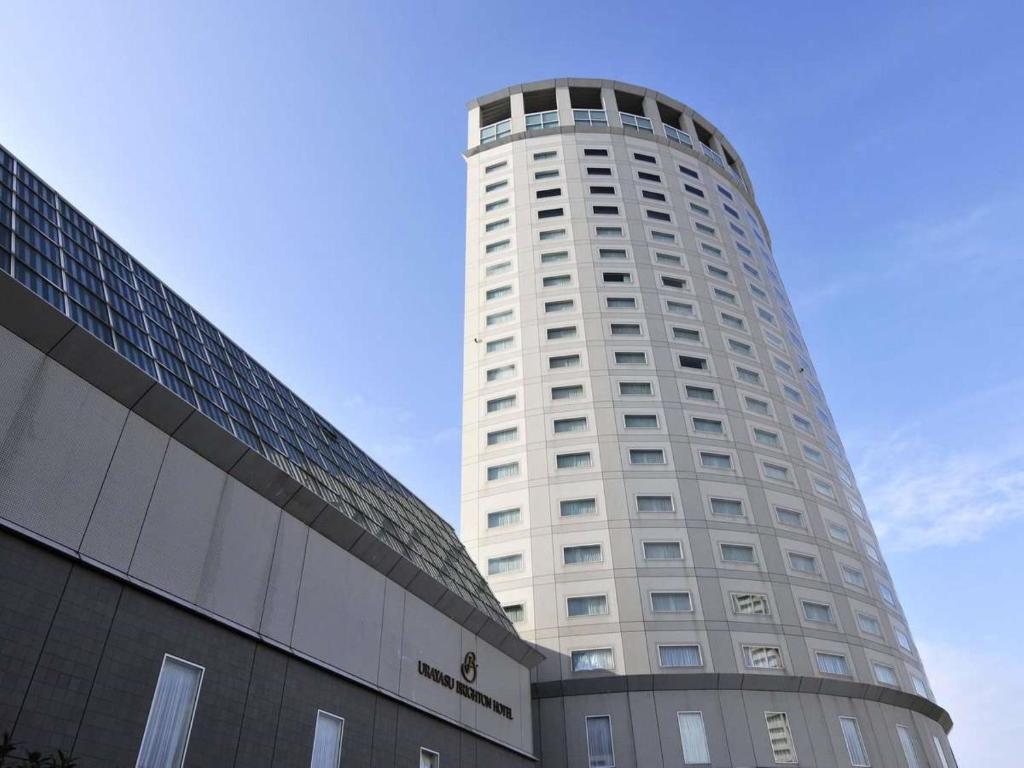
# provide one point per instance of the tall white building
(653, 484)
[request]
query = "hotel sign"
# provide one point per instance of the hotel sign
(463, 687)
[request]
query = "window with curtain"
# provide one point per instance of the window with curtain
(854, 577)
(599, 742)
(575, 424)
(869, 624)
(663, 550)
(833, 664)
(501, 317)
(573, 460)
(429, 759)
(501, 372)
(693, 738)
(817, 611)
(500, 345)
(165, 740)
(885, 674)
(631, 358)
(515, 612)
(909, 744)
(570, 392)
(566, 332)
(504, 564)
(500, 436)
(635, 388)
(790, 517)
(767, 437)
(626, 329)
(711, 426)
(781, 737)
(592, 659)
(803, 563)
(762, 657)
(654, 504)
(503, 471)
(587, 605)
(501, 404)
(671, 602)
(327, 740)
(584, 553)
(640, 421)
(672, 656)
(646, 456)
(577, 507)
(504, 517)
(564, 361)
(854, 742)
(728, 507)
(716, 460)
(776, 472)
(737, 553)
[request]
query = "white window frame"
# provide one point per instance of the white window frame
(192, 714)
(424, 752)
(341, 739)
(704, 733)
(611, 740)
(860, 737)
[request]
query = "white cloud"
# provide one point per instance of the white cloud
(919, 497)
(984, 687)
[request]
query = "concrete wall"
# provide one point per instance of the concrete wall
(81, 472)
(80, 653)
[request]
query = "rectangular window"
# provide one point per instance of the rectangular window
(165, 740)
(599, 742)
(547, 155)
(869, 624)
(598, 171)
(606, 210)
(631, 358)
(500, 223)
(696, 363)
(854, 742)
(609, 231)
(621, 302)
(765, 437)
(551, 234)
(790, 517)
(429, 758)
(570, 392)
(583, 553)
(724, 295)
(564, 305)
(693, 738)
(501, 372)
(636, 388)
(644, 176)
(625, 329)
(496, 166)
(737, 553)
(580, 460)
(803, 563)
(550, 213)
(499, 293)
(832, 664)
(516, 612)
(839, 533)
(501, 317)
(885, 674)
(780, 737)
(776, 472)
(501, 245)
(762, 657)
(671, 602)
(673, 282)
(546, 193)
(504, 564)
(640, 421)
(854, 577)
(587, 605)
(649, 503)
(817, 611)
(564, 332)
(658, 215)
(759, 407)
(677, 656)
(669, 258)
(500, 345)
(887, 594)
(617, 277)
(495, 186)
(548, 174)
(680, 308)
(732, 321)
(501, 403)
(504, 518)
(746, 604)
(496, 205)
(554, 257)
(727, 507)
(686, 334)
(326, 741)
(689, 172)
(577, 507)
(700, 393)
(903, 640)
(601, 189)
(941, 753)
(501, 436)
(646, 456)
(663, 550)
(595, 152)
(552, 281)
(503, 471)
(715, 460)
(748, 376)
(741, 348)
(564, 361)
(498, 269)
(663, 237)
(590, 660)
(576, 424)
(648, 194)
(909, 745)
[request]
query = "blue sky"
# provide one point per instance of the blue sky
(294, 171)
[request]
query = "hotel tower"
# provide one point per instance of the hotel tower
(653, 484)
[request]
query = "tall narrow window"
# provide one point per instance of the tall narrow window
(327, 740)
(695, 741)
(854, 742)
(781, 737)
(429, 758)
(600, 752)
(165, 739)
(909, 745)
(940, 751)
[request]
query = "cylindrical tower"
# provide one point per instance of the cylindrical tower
(652, 482)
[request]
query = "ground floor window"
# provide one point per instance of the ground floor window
(694, 739)
(165, 740)
(599, 742)
(327, 740)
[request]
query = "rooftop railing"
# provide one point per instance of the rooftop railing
(495, 131)
(537, 120)
(590, 117)
(681, 137)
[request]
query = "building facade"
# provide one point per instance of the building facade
(196, 568)
(652, 481)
